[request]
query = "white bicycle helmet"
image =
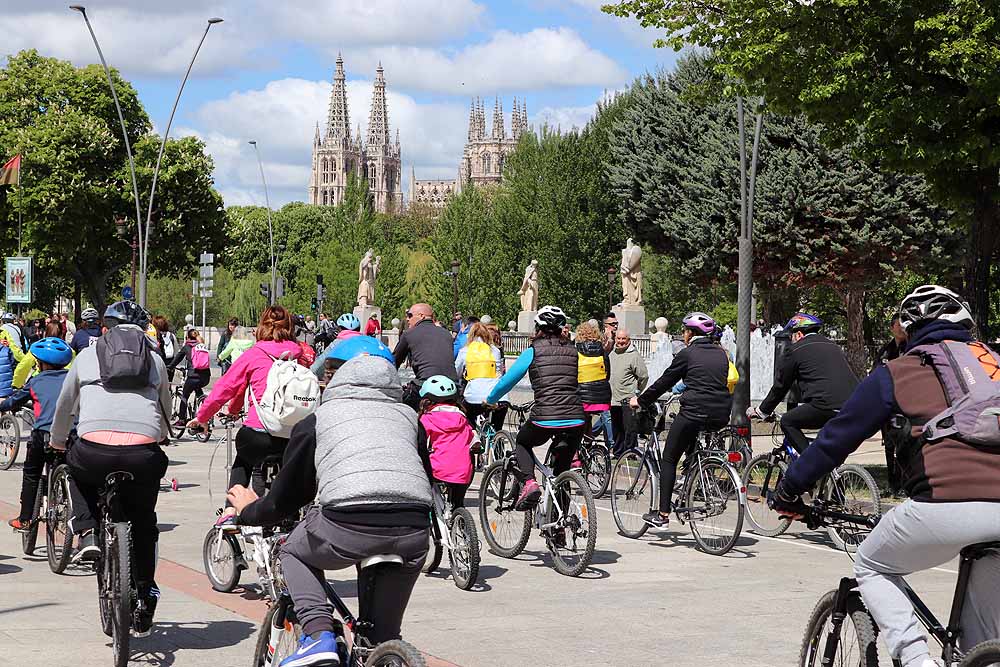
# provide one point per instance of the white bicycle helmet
(550, 318)
(933, 302)
(89, 315)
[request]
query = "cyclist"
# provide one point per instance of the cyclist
(372, 497)
(594, 377)
(13, 334)
(480, 364)
(355, 347)
(703, 366)
(120, 430)
(350, 326)
(52, 355)
(551, 363)
(89, 331)
(166, 341)
(428, 348)
(10, 354)
(241, 341)
(444, 437)
(820, 368)
(954, 498)
(28, 365)
(195, 355)
(224, 339)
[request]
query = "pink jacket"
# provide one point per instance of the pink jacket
(249, 370)
(448, 438)
(347, 333)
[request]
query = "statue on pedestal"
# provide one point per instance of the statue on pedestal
(367, 272)
(529, 288)
(631, 270)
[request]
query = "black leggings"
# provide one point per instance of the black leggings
(455, 493)
(252, 447)
(531, 435)
(682, 436)
(193, 385)
(473, 410)
(801, 417)
(34, 465)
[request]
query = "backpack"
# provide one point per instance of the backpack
(970, 376)
(168, 342)
(479, 361)
(199, 357)
(123, 356)
(291, 395)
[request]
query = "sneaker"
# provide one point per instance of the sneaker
(88, 550)
(227, 523)
(529, 496)
(18, 525)
(180, 423)
(655, 519)
(142, 619)
(312, 652)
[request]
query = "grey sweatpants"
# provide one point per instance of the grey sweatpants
(317, 544)
(917, 536)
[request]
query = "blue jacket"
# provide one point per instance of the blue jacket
(868, 409)
(82, 338)
(7, 366)
(460, 339)
(43, 390)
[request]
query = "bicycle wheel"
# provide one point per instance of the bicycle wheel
(852, 488)
(574, 533)
(206, 435)
(734, 442)
(104, 575)
(223, 558)
(464, 554)
(856, 643)
(985, 654)
(284, 638)
(10, 440)
(58, 537)
(29, 537)
(506, 529)
(395, 653)
(596, 459)
(502, 445)
(120, 590)
(715, 502)
(435, 550)
(761, 476)
(631, 493)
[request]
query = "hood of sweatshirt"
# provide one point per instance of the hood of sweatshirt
(445, 419)
(365, 378)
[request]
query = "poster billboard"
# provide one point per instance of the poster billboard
(18, 280)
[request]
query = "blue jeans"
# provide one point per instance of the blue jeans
(604, 421)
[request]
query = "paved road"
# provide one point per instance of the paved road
(655, 601)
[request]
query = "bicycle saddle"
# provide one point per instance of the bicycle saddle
(381, 558)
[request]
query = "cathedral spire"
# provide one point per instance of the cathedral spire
(481, 120)
(316, 139)
(378, 119)
(498, 131)
(338, 127)
(472, 120)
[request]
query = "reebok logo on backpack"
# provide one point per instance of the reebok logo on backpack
(970, 376)
(123, 356)
(291, 395)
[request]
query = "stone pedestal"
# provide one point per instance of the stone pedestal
(631, 318)
(526, 321)
(365, 312)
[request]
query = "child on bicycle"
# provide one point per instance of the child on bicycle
(198, 373)
(444, 437)
(52, 355)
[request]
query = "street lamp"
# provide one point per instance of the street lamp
(453, 274)
(267, 202)
(121, 226)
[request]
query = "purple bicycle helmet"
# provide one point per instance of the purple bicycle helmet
(700, 323)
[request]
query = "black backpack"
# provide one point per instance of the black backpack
(123, 355)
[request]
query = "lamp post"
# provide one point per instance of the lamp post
(612, 274)
(267, 202)
(121, 226)
(454, 285)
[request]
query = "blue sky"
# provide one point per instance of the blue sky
(264, 73)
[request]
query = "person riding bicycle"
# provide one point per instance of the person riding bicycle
(954, 497)
(706, 403)
(194, 354)
(428, 348)
(444, 437)
(824, 377)
(118, 390)
(551, 363)
(354, 347)
(372, 497)
(28, 366)
(89, 331)
(52, 355)
(480, 364)
(350, 326)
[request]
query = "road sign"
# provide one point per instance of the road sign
(127, 293)
(207, 271)
(206, 294)
(206, 258)
(207, 282)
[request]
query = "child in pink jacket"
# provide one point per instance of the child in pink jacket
(444, 437)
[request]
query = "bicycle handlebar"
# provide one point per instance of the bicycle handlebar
(820, 515)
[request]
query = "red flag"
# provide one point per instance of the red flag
(10, 173)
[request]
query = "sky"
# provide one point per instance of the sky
(265, 72)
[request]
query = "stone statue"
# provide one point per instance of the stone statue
(529, 288)
(367, 272)
(631, 270)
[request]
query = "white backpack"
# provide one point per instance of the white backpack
(292, 394)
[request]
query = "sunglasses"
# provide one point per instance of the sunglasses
(409, 314)
(611, 324)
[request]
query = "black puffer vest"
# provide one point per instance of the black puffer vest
(593, 390)
(553, 379)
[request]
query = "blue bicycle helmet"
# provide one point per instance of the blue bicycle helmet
(53, 351)
(349, 321)
(358, 346)
(438, 386)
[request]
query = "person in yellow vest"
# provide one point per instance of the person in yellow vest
(593, 376)
(480, 364)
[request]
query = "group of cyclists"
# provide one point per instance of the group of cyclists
(363, 455)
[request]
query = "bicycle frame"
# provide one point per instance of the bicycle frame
(441, 518)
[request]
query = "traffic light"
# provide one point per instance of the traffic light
(314, 304)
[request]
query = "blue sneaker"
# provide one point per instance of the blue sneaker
(314, 652)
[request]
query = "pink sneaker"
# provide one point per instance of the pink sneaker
(529, 496)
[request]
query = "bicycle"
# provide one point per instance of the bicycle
(495, 444)
(453, 528)
(827, 641)
(562, 520)
(193, 405)
(53, 507)
(710, 496)
(10, 435)
(850, 486)
(116, 591)
(280, 632)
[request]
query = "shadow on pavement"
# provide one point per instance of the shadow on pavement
(486, 572)
(159, 648)
(26, 607)
(9, 568)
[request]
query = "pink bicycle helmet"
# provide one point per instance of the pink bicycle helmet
(700, 322)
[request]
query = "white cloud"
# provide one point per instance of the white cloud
(565, 118)
(541, 58)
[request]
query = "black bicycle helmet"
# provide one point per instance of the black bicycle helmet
(551, 319)
(126, 312)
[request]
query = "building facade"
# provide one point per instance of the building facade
(336, 153)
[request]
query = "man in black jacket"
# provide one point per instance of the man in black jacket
(428, 348)
(825, 379)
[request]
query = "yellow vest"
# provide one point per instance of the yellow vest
(732, 378)
(590, 369)
(479, 361)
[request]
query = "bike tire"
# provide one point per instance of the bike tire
(628, 500)
(503, 445)
(286, 642)
(581, 520)
(395, 653)
(464, 554)
(814, 642)
(719, 484)
(206, 434)
(758, 482)
(121, 592)
(506, 529)
(217, 550)
(10, 440)
(58, 536)
(740, 444)
(435, 551)
(104, 574)
(984, 654)
(597, 467)
(851, 476)
(29, 537)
